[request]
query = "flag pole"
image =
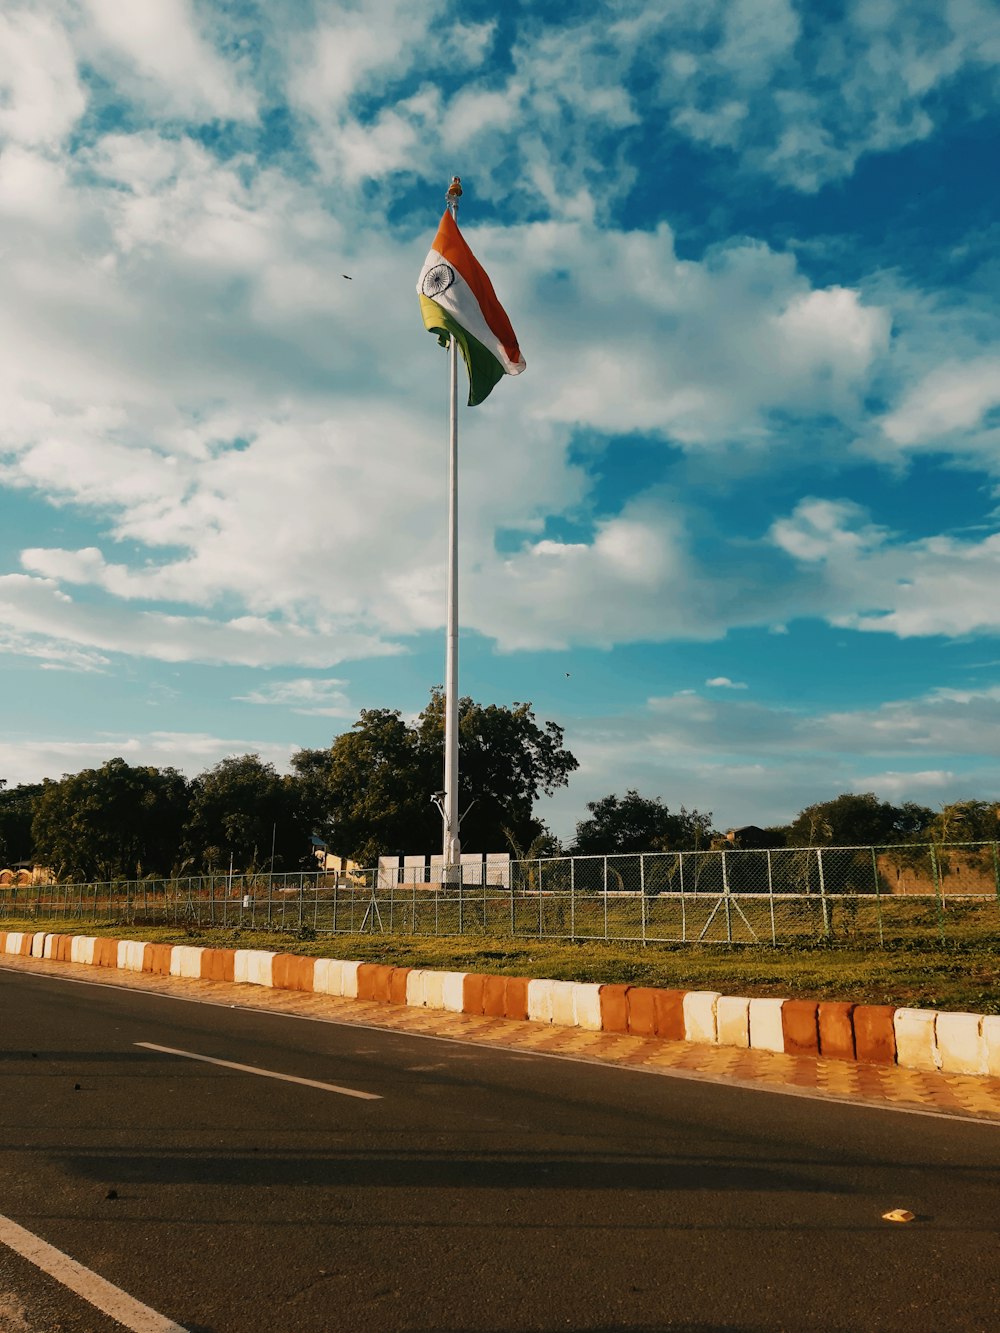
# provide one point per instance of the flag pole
(452, 845)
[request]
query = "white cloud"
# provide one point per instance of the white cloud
(321, 698)
(41, 96)
(165, 63)
(866, 580)
(942, 721)
(923, 786)
(274, 420)
(825, 530)
(31, 186)
(237, 452)
(633, 580)
(951, 398)
(699, 352)
(750, 762)
(353, 49)
(724, 683)
(191, 752)
(50, 622)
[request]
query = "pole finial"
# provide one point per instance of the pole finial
(454, 194)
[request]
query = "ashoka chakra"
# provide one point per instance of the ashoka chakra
(437, 280)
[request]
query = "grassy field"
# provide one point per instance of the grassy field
(924, 974)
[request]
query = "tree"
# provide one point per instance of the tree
(857, 820)
(243, 806)
(379, 777)
(965, 821)
(637, 823)
(17, 810)
(507, 761)
(376, 787)
(113, 822)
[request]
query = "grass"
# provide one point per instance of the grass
(958, 975)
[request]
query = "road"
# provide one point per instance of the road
(470, 1189)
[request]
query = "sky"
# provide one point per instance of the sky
(735, 528)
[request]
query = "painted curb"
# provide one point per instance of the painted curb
(920, 1039)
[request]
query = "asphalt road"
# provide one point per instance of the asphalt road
(482, 1189)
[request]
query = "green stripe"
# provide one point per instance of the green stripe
(484, 369)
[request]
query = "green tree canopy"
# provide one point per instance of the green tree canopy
(238, 807)
(966, 821)
(507, 760)
(376, 787)
(635, 823)
(858, 820)
(17, 810)
(379, 777)
(112, 822)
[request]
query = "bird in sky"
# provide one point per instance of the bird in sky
(347, 276)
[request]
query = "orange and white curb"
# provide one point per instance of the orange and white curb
(922, 1039)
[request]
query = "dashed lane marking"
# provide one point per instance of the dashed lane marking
(264, 1073)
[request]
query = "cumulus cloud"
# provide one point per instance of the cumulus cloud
(865, 579)
(273, 420)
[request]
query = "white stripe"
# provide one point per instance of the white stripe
(264, 1073)
(96, 1291)
(460, 302)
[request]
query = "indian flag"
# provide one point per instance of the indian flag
(457, 300)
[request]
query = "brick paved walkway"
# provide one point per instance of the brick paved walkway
(876, 1085)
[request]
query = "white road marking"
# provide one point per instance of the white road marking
(95, 1290)
(264, 1073)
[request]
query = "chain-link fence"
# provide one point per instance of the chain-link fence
(866, 895)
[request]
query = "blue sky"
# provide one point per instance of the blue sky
(735, 528)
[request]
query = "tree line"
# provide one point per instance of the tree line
(369, 794)
(635, 823)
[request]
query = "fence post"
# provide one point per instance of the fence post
(642, 891)
(510, 887)
(937, 892)
(538, 867)
(824, 901)
(770, 896)
(605, 897)
(996, 872)
(729, 906)
(680, 862)
(572, 897)
(878, 898)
